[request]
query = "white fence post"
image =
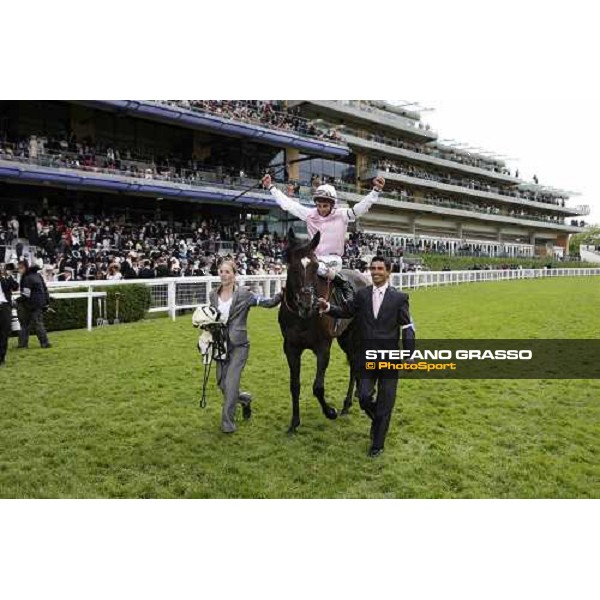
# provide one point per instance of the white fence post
(171, 297)
(90, 308)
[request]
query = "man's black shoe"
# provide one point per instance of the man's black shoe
(375, 452)
(47, 346)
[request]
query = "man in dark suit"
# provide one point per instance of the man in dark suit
(147, 272)
(382, 315)
(33, 301)
(8, 285)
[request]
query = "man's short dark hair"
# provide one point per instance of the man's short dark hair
(386, 261)
(24, 263)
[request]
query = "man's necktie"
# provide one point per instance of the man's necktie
(377, 302)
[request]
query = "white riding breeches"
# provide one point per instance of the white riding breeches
(329, 265)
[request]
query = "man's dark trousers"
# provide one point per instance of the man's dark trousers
(5, 328)
(378, 408)
(32, 317)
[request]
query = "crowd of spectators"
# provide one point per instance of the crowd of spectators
(275, 114)
(71, 246)
(268, 113)
(448, 201)
(93, 157)
(391, 166)
(68, 151)
(436, 150)
(84, 247)
(108, 246)
(375, 105)
(396, 246)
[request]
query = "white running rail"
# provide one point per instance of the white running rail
(171, 294)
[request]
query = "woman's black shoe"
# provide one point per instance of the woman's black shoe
(245, 400)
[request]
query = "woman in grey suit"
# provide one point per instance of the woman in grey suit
(234, 302)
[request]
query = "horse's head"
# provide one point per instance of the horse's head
(301, 287)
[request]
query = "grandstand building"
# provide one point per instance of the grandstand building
(174, 160)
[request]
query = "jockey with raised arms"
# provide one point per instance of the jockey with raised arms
(332, 222)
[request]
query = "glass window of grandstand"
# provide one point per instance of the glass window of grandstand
(322, 170)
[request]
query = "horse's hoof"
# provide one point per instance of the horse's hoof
(345, 411)
(331, 413)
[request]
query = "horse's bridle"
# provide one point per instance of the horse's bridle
(312, 289)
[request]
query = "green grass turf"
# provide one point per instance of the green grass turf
(113, 413)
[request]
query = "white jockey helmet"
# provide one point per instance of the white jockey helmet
(204, 315)
(326, 192)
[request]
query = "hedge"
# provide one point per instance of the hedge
(437, 262)
(134, 302)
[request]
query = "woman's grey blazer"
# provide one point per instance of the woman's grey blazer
(242, 301)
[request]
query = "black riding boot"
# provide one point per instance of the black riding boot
(345, 287)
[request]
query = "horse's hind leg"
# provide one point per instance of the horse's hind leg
(323, 353)
(294, 356)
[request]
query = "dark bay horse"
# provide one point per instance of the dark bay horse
(304, 329)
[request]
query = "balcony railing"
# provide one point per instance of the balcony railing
(218, 177)
(582, 209)
(487, 191)
(364, 110)
(424, 153)
(457, 205)
(249, 112)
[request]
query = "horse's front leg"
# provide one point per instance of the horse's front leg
(323, 353)
(294, 357)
